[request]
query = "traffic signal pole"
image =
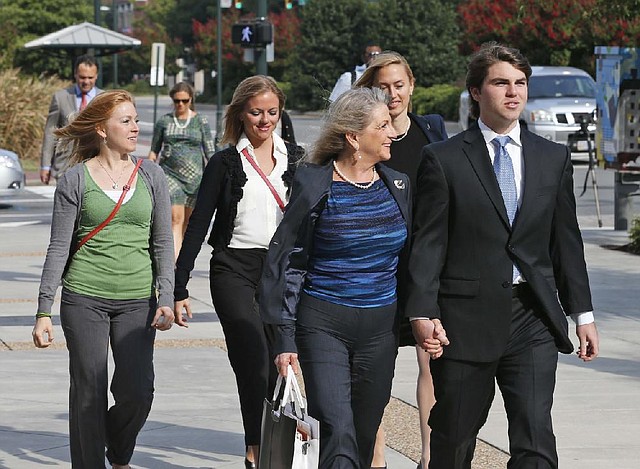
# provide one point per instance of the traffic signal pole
(261, 53)
(218, 74)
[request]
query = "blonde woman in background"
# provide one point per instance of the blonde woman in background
(391, 72)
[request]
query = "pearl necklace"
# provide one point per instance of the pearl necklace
(114, 181)
(356, 184)
(397, 139)
(186, 124)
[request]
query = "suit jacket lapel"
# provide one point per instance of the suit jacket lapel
(71, 100)
(425, 126)
(398, 189)
(532, 168)
(476, 151)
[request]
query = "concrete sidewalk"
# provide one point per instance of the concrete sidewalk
(195, 420)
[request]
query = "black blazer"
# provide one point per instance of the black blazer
(219, 193)
(463, 247)
(286, 265)
(432, 126)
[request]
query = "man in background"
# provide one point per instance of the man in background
(65, 103)
(347, 79)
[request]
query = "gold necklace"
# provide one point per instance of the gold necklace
(397, 139)
(353, 183)
(114, 181)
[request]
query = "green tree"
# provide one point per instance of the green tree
(25, 20)
(332, 37)
(180, 22)
(286, 26)
(557, 32)
(206, 53)
(426, 33)
(149, 26)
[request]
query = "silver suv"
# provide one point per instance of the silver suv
(560, 98)
(12, 177)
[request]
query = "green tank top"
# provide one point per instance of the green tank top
(116, 262)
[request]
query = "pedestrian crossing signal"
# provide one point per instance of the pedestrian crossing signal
(257, 34)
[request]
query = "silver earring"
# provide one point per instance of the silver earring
(104, 140)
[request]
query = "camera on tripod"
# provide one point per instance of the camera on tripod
(585, 120)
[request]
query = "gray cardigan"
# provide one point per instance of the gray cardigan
(66, 215)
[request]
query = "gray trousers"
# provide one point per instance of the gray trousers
(347, 357)
(90, 324)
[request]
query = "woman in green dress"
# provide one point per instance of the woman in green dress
(182, 144)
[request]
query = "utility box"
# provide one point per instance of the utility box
(618, 107)
(618, 125)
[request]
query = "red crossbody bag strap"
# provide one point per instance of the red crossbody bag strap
(264, 178)
(125, 189)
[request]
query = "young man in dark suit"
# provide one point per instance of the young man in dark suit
(497, 260)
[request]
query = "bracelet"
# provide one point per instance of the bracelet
(43, 315)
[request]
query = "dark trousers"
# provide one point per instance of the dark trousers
(525, 374)
(347, 357)
(90, 325)
(233, 280)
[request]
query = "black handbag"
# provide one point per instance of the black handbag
(288, 433)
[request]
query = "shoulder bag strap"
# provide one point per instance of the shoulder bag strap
(264, 178)
(125, 189)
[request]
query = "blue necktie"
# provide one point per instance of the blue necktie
(503, 167)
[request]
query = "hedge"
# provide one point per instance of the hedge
(437, 99)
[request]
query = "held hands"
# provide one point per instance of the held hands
(163, 319)
(42, 332)
(589, 342)
(181, 320)
(285, 359)
(430, 336)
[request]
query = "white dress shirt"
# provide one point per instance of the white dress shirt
(514, 148)
(90, 95)
(258, 212)
(344, 82)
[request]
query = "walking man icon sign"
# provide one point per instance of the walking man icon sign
(246, 34)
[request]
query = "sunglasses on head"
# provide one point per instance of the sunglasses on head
(183, 101)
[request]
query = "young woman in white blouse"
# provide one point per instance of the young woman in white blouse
(246, 185)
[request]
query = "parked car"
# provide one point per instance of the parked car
(560, 98)
(12, 178)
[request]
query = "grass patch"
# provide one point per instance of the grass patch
(30, 165)
(22, 126)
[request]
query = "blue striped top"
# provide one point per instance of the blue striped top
(358, 237)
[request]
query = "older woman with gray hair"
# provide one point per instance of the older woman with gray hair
(329, 282)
